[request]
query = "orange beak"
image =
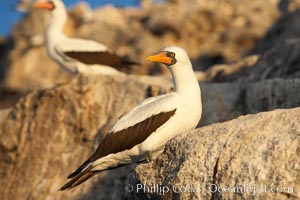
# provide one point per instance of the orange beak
(161, 58)
(44, 5)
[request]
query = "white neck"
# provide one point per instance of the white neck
(56, 25)
(185, 81)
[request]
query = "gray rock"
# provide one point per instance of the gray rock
(48, 133)
(225, 101)
(246, 158)
(281, 61)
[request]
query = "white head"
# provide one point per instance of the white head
(179, 64)
(172, 57)
(56, 7)
(59, 16)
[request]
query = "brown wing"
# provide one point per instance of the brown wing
(127, 138)
(100, 58)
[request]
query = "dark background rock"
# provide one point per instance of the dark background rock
(210, 37)
(225, 101)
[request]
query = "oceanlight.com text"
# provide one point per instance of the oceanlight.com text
(212, 188)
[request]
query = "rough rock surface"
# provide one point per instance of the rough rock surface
(281, 61)
(225, 101)
(48, 133)
(259, 151)
(278, 50)
(51, 130)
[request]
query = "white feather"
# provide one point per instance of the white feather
(146, 109)
(80, 45)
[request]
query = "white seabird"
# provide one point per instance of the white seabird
(74, 54)
(141, 133)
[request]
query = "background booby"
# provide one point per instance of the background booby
(74, 54)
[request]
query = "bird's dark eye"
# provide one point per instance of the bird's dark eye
(171, 54)
(51, 2)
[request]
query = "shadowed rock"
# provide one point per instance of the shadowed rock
(195, 25)
(48, 133)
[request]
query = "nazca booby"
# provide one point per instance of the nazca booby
(74, 54)
(140, 134)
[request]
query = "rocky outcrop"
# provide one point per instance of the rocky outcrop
(278, 50)
(60, 118)
(225, 101)
(48, 133)
(281, 61)
(210, 37)
(251, 157)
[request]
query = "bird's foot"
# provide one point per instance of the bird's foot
(149, 156)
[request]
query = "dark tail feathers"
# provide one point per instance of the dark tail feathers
(79, 169)
(80, 178)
